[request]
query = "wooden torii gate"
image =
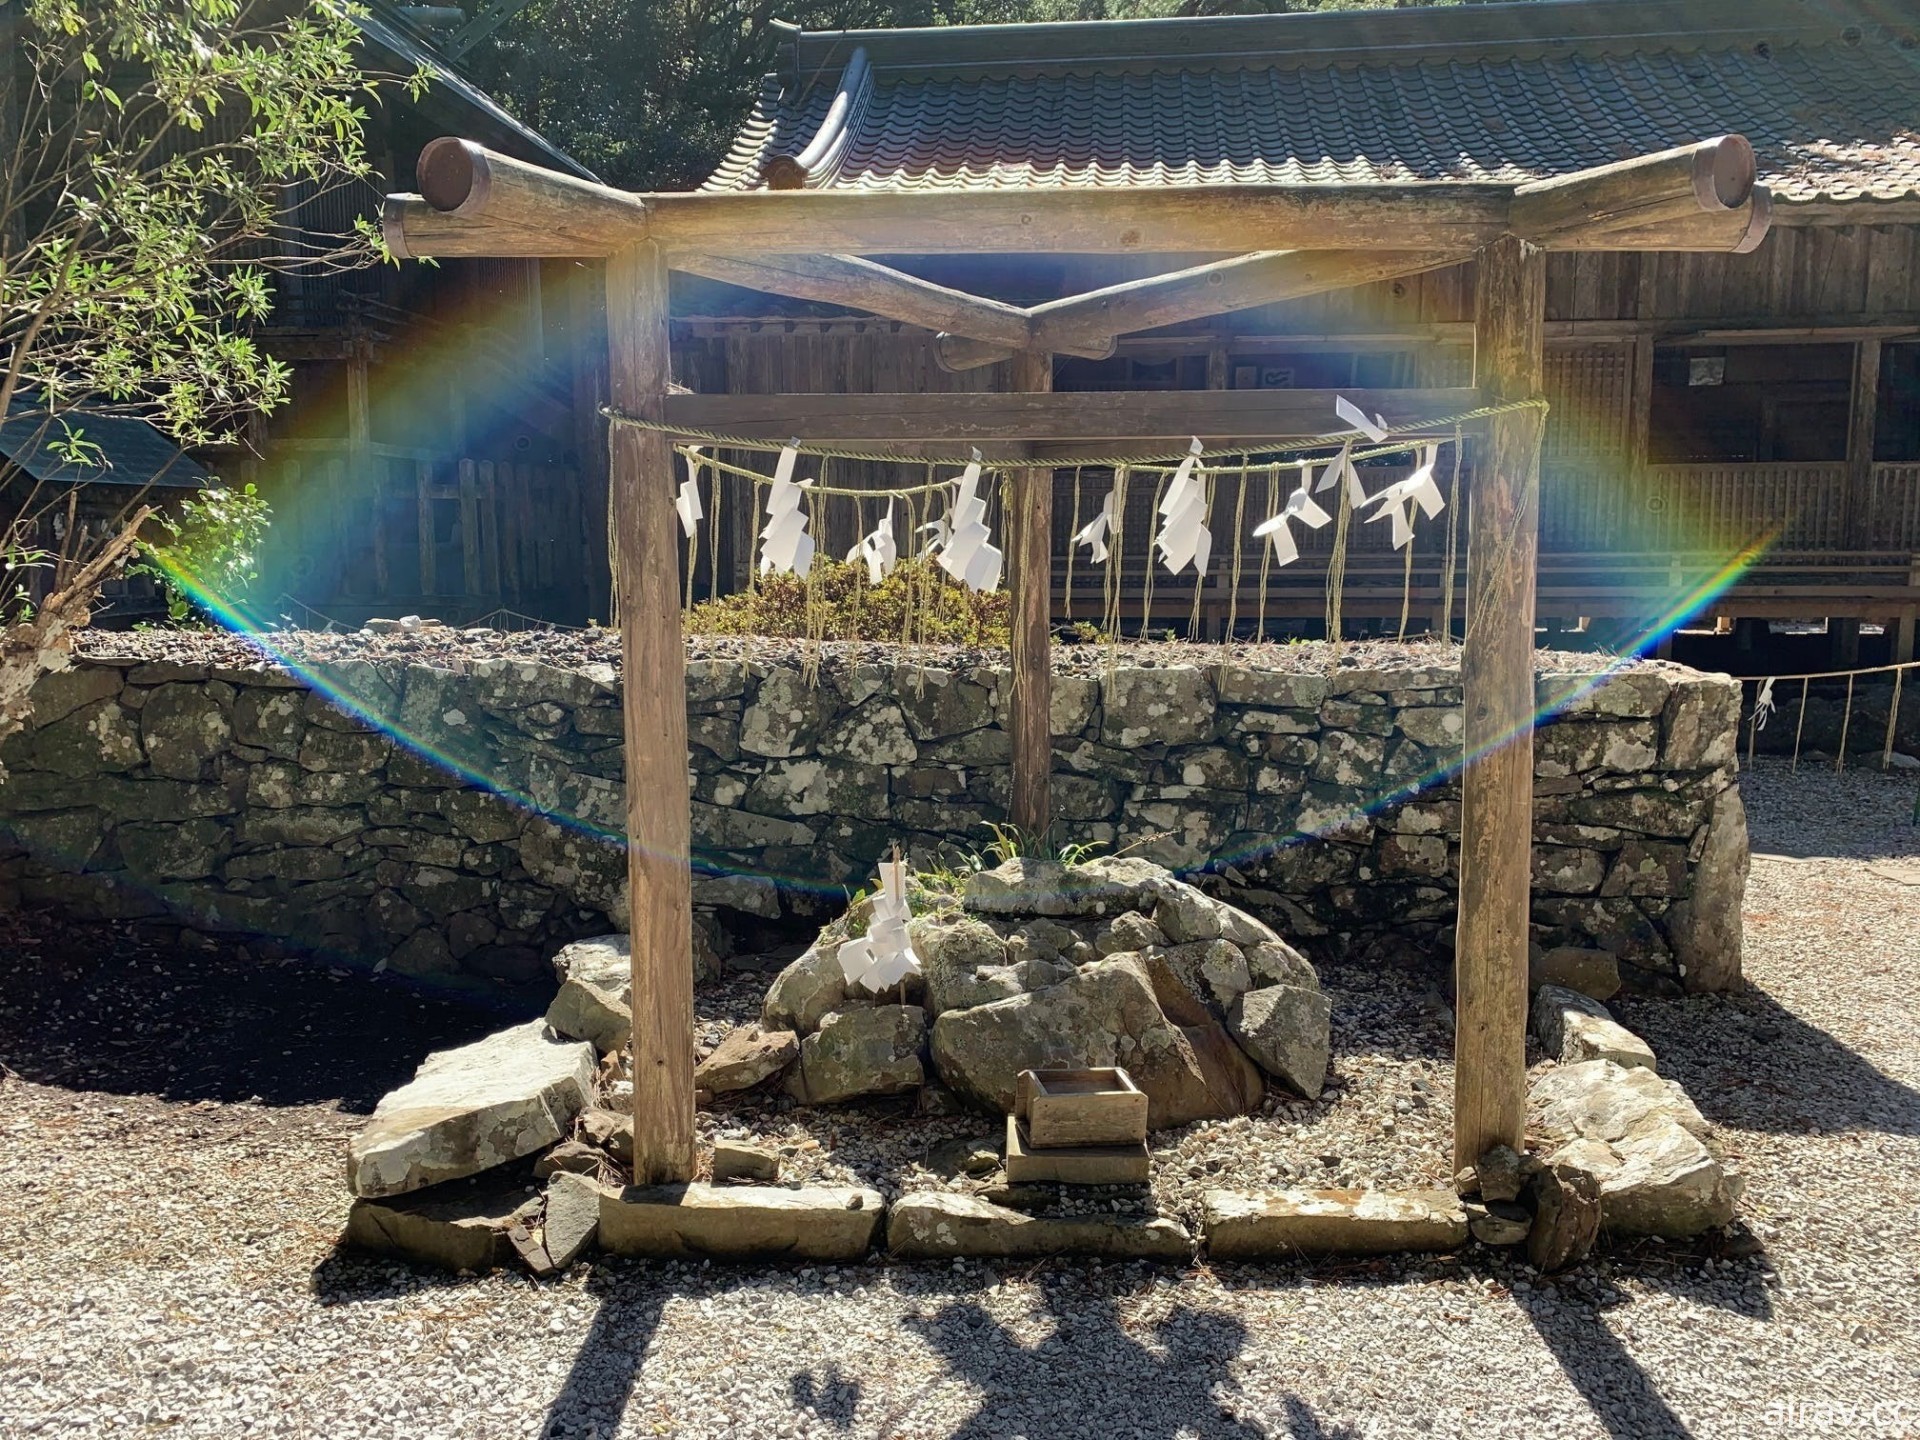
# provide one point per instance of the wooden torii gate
(1312, 238)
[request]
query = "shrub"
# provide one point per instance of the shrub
(837, 603)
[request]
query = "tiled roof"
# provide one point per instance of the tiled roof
(1828, 91)
(131, 451)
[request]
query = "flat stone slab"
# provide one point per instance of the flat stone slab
(459, 1226)
(1259, 1225)
(470, 1109)
(935, 1225)
(740, 1222)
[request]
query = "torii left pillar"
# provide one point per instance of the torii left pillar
(654, 698)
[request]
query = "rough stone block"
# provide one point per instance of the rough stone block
(746, 1057)
(1642, 1143)
(935, 1225)
(1287, 1029)
(1169, 705)
(874, 1050)
(1242, 1225)
(740, 1223)
(737, 1160)
(594, 1002)
(1574, 1027)
(1593, 973)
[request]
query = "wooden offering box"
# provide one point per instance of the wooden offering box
(1066, 1109)
(1073, 1164)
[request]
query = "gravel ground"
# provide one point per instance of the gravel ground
(172, 1194)
(448, 647)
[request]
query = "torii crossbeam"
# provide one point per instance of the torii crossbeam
(1290, 240)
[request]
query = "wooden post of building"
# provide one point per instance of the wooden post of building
(1496, 675)
(585, 289)
(1856, 529)
(654, 696)
(1030, 714)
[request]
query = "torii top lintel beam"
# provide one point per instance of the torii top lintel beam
(476, 202)
(1303, 239)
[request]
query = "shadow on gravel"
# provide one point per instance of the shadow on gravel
(1100, 1373)
(1750, 1063)
(593, 1398)
(95, 1007)
(1599, 1364)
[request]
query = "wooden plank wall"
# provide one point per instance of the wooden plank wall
(1592, 497)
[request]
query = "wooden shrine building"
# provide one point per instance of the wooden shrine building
(1702, 402)
(433, 457)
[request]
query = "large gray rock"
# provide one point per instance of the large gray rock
(1106, 1013)
(785, 716)
(808, 990)
(870, 1051)
(934, 1225)
(568, 1225)
(183, 727)
(1705, 928)
(595, 1001)
(1566, 1207)
(1287, 1029)
(1274, 962)
(1215, 971)
(1573, 1027)
(1167, 705)
(471, 1108)
(963, 961)
(1644, 1144)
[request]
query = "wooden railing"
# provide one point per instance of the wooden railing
(389, 524)
(1693, 507)
(1894, 508)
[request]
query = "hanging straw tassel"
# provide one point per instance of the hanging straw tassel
(1199, 577)
(1406, 589)
(713, 539)
(1266, 553)
(1239, 553)
(1146, 599)
(1337, 567)
(1453, 542)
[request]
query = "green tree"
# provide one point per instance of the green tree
(149, 149)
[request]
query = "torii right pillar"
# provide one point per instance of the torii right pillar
(1496, 676)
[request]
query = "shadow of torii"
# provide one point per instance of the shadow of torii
(1098, 1371)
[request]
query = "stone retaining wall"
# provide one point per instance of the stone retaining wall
(241, 798)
